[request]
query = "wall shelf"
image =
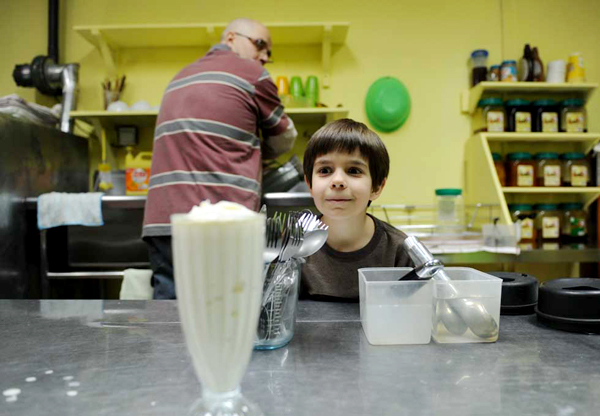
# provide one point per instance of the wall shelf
(532, 90)
(109, 39)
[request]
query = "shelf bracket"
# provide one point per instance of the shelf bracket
(106, 52)
(326, 50)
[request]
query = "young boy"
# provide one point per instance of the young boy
(346, 166)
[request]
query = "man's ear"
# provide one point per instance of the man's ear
(375, 193)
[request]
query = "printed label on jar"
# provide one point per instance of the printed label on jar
(526, 246)
(550, 246)
(575, 123)
(495, 121)
(579, 175)
(526, 229)
(522, 121)
(550, 227)
(577, 227)
(549, 122)
(551, 175)
(525, 175)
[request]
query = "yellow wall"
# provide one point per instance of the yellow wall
(425, 43)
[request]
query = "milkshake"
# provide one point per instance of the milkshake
(218, 267)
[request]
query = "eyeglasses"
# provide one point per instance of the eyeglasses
(260, 44)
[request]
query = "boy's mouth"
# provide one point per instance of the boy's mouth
(338, 200)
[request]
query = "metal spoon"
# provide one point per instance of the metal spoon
(313, 241)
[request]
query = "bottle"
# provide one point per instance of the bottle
(137, 172)
(526, 65)
(538, 67)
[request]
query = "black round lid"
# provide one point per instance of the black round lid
(572, 298)
(519, 293)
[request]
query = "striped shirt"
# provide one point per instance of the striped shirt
(206, 141)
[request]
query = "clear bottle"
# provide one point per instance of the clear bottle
(450, 211)
(526, 65)
(538, 66)
(574, 223)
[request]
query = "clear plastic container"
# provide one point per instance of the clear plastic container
(525, 216)
(392, 311)
(575, 169)
(518, 115)
(490, 115)
(478, 66)
(574, 223)
(450, 211)
(547, 224)
(520, 169)
(277, 319)
(545, 116)
(547, 169)
(573, 116)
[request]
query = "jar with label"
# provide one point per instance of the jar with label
(547, 224)
(520, 168)
(575, 169)
(491, 115)
(508, 71)
(574, 223)
(494, 73)
(548, 169)
(518, 115)
(500, 170)
(524, 216)
(573, 116)
(544, 116)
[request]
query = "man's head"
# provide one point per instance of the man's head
(348, 136)
(249, 39)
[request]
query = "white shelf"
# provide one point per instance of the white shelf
(586, 140)
(550, 190)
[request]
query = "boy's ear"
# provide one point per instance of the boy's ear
(375, 193)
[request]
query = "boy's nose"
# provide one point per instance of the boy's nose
(338, 181)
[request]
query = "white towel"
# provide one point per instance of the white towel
(136, 285)
(59, 208)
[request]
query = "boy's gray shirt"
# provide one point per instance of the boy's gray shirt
(333, 275)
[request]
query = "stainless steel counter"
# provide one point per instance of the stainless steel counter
(129, 358)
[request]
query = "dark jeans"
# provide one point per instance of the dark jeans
(161, 262)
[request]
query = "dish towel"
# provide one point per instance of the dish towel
(60, 208)
(136, 285)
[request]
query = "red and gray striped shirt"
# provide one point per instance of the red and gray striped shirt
(206, 141)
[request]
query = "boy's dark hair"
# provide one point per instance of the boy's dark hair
(345, 136)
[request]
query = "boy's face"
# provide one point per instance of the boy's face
(342, 184)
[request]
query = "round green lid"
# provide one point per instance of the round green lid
(496, 157)
(520, 207)
(495, 67)
(573, 156)
(489, 101)
(543, 103)
(572, 102)
(546, 155)
(519, 156)
(517, 102)
(545, 207)
(387, 104)
(509, 62)
(448, 191)
(571, 205)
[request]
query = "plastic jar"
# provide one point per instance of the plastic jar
(544, 116)
(575, 169)
(573, 116)
(518, 115)
(508, 71)
(520, 169)
(574, 223)
(494, 73)
(524, 215)
(547, 169)
(500, 169)
(479, 66)
(449, 210)
(547, 224)
(491, 115)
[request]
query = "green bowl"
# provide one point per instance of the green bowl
(387, 104)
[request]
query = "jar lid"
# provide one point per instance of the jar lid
(495, 67)
(497, 157)
(571, 205)
(572, 156)
(479, 53)
(489, 101)
(546, 155)
(448, 192)
(546, 207)
(517, 102)
(572, 102)
(509, 62)
(519, 156)
(543, 103)
(520, 207)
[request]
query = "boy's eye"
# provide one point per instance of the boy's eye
(355, 171)
(324, 170)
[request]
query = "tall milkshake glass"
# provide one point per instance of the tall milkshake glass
(218, 266)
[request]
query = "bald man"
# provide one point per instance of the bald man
(207, 141)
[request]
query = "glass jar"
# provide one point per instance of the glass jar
(508, 71)
(479, 66)
(575, 169)
(500, 170)
(547, 169)
(524, 216)
(450, 212)
(494, 73)
(491, 115)
(574, 223)
(573, 116)
(520, 169)
(547, 224)
(544, 116)
(518, 115)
